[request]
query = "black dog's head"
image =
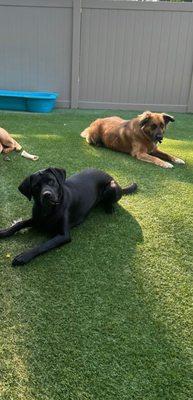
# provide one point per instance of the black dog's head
(154, 124)
(45, 186)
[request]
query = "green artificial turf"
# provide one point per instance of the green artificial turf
(110, 315)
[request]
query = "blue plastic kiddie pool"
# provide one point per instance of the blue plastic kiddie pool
(27, 101)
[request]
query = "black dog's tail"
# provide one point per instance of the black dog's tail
(129, 189)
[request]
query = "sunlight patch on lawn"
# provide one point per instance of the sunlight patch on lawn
(178, 144)
(44, 136)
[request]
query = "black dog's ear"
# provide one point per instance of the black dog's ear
(168, 118)
(59, 173)
(25, 187)
(144, 118)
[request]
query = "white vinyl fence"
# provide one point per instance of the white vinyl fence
(100, 53)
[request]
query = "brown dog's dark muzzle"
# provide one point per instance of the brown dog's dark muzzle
(159, 137)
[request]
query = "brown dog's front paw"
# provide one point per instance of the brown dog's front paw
(167, 165)
(179, 161)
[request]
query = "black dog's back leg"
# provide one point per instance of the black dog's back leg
(111, 195)
(109, 207)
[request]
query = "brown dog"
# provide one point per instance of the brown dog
(138, 137)
(7, 143)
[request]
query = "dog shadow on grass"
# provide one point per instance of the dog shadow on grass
(84, 324)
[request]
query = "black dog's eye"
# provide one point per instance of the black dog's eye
(153, 126)
(51, 182)
(35, 188)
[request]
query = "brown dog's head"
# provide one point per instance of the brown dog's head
(154, 124)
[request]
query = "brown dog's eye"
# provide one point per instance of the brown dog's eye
(153, 126)
(161, 126)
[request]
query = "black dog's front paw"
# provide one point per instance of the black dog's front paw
(21, 259)
(3, 233)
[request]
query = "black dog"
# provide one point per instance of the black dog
(60, 204)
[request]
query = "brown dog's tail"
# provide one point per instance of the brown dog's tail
(85, 133)
(129, 189)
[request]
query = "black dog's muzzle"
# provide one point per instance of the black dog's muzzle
(48, 197)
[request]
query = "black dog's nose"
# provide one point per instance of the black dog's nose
(47, 194)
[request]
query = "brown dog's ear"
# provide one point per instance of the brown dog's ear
(25, 187)
(59, 173)
(144, 118)
(168, 118)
